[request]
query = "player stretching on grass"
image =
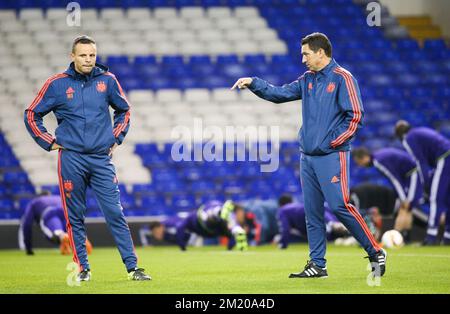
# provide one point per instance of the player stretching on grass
(332, 113)
(214, 219)
(46, 210)
(80, 99)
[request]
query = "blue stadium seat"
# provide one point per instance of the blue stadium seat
(146, 149)
(406, 45)
(172, 61)
(6, 204)
(142, 60)
(227, 59)
(116, 60)
(24, 188)
(151, 201)
(434, 44)
(196, 60)
(54, 189)
(202, 187)
(15, 177)
(183, 202)
(127, 201)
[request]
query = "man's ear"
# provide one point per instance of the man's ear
(72, 56)
(321, 52)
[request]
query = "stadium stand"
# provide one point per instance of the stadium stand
(177, 60)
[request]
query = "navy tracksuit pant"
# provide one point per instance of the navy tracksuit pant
(325, 178)
(76, 173)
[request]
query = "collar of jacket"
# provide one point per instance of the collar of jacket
(99, 69)
(328, 68)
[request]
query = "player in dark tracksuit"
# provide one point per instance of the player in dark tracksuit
(401, 170)
(431, 152)
(332, 113)
(48, 213)
(213, 219)
(80, 98)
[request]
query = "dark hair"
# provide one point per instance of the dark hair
(238, 207)
(155, 224)
(317, 41)
(45, 193)
(83, 39)
(360, 152)
(285, 199)
(401, 128)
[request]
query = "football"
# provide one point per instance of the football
(392, 239)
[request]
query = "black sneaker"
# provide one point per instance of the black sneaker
(138, 274)
(378, 263)
(311, 271)
(84, 275)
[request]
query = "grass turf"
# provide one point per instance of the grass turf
(262, 269)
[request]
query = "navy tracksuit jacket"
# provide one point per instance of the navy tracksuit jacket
(332, 113)
(81, 105)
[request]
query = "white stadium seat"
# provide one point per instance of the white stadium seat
(195, 95)
(31, 14)
(191, 48)
(137, 14)
(217, 47)
(224, 94)
(246, 48)
(141, 96)
(274, 47)
(246, 12)
(114, 14)
(7, 15)
(192, 12)
(168, 95)
(164, 13)
(218, 12)
(146, 25)
(54, 14)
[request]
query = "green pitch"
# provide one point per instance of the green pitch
(214, 270)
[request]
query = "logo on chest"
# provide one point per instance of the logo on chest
(310, 86)
(331, 87)
(69, 92)
(101, 87)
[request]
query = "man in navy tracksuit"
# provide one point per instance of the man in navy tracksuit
(430, 150)
(80, 99)
(332, 112)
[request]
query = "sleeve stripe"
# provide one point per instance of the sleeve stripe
(356, 109)
(30, 114)
(355, 106)
(121, 126)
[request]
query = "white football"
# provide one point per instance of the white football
(392, 239)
